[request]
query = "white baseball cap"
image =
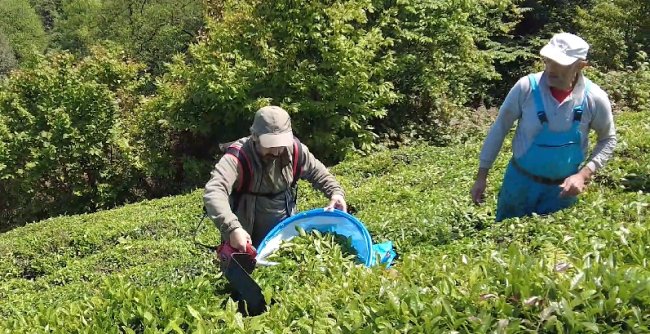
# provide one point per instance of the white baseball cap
(565, 49)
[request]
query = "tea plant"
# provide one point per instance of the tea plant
(135, 269)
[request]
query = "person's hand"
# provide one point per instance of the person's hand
(478, 191)
(239, 238)
(573, 185)
(337, 202)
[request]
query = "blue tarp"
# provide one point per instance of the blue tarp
(328, 221)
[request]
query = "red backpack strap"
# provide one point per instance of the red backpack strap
(245, 166)
(298, 161)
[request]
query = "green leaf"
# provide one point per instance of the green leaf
(148, 316)
(591, 326)
(194, 313)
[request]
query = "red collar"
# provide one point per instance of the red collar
(560, 95)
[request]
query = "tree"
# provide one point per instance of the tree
(22, 26)
(339, 68)
(617, 31)
(7, 59)
(444, 54)
(48, 10)
(150, 31)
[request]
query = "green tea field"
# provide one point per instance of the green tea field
(135, 269)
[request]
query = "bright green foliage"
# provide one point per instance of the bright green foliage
(64, 136)
(339, 68)
(309, 259)
(22, 26)
(135, 269)
(318, 60)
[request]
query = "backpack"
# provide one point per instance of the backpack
(246, 184)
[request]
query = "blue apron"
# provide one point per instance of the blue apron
(531, 183)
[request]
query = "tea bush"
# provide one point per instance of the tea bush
(135, 269)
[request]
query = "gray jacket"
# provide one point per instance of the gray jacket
(259, 214)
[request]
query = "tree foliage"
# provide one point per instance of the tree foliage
(48, 10)
(443, 56)
(64, 141)
(150, 31)
(22, 26)
(618, 31)
(7, 58)
(339, 68)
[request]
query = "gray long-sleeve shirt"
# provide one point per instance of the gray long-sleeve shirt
(520, 105)
(258, 214)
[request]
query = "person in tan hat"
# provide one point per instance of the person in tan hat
(254, 185)
(555, 110)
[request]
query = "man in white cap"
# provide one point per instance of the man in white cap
(555, 110)
(254, 185)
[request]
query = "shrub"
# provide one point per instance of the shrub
(64, 136)
(629, 90)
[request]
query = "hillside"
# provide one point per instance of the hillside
(136, 269)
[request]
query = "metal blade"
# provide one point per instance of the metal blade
(251, 293)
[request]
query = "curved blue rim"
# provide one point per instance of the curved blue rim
(321, 212)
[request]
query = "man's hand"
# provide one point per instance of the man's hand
(478, 189)
(337, 202)
(574, 185)
(239, 238)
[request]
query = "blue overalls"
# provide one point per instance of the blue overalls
(531, 182)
